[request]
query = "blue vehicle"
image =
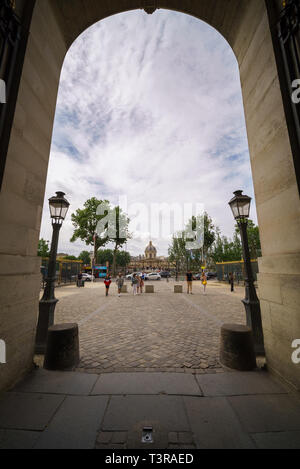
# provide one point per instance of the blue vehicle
(100, 271)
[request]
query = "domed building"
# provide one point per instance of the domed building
(150, 251)
(150, 261)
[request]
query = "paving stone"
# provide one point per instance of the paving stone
(267, 413)
(215, 425)
(125, 412)
(104, 437)
(119, 437)
(75, 425)
(278, 440)
(146, 383)
(18, 439)
(58, 382)
(238, 383)
(185, 438)
(173, 437)
(27, 411)
(178, 330)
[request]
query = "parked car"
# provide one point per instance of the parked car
(165, 274)
(210, 275)
(129, 276)
(197, 277)
(153, 276)
(87, 277)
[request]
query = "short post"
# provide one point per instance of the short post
(62, 350)
(237, 347)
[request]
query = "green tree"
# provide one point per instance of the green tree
(177, 251)
(123, 258)
(70, 258)
(85, 223)
(43, 248)
(110, 224)
(105, 255)
(199, 229)
(253, 239)
(84, 256)
(206, 231)
(121, 232)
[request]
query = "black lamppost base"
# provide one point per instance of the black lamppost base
(46, 319)
(253, 315)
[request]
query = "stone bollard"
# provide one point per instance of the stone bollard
(178, 289)
(149, 289)
(237, 347)
(62, 349)
(124, 289)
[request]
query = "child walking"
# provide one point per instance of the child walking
(107, 282)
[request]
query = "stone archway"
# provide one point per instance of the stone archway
(55, 25)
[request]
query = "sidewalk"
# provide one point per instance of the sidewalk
(110, 410)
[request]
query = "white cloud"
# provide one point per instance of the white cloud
(150, 107)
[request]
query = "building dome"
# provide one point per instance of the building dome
(150, 251)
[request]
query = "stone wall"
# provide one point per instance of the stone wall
(55, 25)
(22, 194)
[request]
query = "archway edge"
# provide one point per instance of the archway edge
(55, 25)
(77, 16)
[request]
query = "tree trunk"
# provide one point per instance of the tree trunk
(114, 260)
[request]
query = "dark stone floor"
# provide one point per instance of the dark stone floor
(110, 410)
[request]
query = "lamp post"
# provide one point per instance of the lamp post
(240, 206)
(58, 210)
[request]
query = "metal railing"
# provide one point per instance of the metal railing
(289, 38)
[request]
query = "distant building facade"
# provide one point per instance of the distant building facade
(150, 261)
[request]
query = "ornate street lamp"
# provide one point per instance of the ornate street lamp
(240, 206)
(58, 210)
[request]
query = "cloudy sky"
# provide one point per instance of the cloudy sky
(149, 108)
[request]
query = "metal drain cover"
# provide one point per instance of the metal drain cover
(147, 435)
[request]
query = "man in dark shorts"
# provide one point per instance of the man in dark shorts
(189, 279)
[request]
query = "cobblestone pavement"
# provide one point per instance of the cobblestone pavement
(163, 331)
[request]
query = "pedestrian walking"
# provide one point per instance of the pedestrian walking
(231, 281)
(141, 283)
(120, 283)
(204, 281)
(80, 282)
(107, 282)
(189, 280)
(134, 284)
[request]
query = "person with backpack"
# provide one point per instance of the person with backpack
(107, 282)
